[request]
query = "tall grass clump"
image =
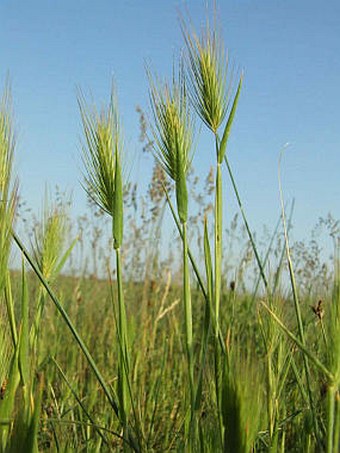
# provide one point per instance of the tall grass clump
(325, 437)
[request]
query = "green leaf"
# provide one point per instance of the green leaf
(31, 445)
(7, 404)
(207, 260)
(24, 332)
(223, 144)
(208, 314)
(64, 258)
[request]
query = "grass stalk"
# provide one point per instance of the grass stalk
(218, 247)
(188, 327)
(190, 255)
(298, 311)
(246, 224)
(206, 325)
(124, 366)
(217, 294)
(337, 419)
(332, 392)
(205, 292)
(10, 308)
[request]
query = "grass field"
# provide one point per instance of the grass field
(131, 351)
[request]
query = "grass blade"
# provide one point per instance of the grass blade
(225, 136)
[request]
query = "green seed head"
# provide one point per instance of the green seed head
(8, 190)
(207, 65)
(101, 158)
(49, 239)
(173, 134)
(7, 145)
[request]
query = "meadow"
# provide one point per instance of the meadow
(109, 342)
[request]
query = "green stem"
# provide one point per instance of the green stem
(194, 267)
(188, 325)
(281, 260)
(123, 374)
(251, 238)
(192, 260)
(331, 404)
(218, 246)
(337, 418)
(10, 309)
(187, 297)
(217, 285)
(270, 395)
(35, 329)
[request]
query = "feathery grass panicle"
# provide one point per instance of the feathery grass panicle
(8, 190)
(207, 67)
(101, 147)
(49, 239)
(48, 249)
(102, 161)
(7, 145)
(173, 133)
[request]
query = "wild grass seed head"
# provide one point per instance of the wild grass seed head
(207, 67)
(8, 189)
(7, 145)
(102, 161)
(49, 239)
(173, 133)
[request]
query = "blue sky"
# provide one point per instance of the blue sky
(289, 51)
